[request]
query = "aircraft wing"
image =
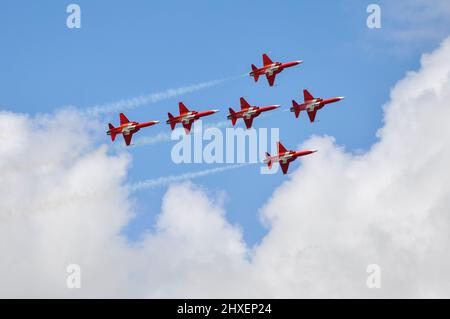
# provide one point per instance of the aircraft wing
(266, 59)
(271, 79)
(123, 119)
(187, 126)
(127, 138)
(307, 96)
(183, 109)
(312, 115)
(248, 122)
(244, 104)
(281, 148)
(284, 167)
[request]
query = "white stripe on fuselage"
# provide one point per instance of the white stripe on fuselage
(188, 117)
(127, 129)
(248, 114)
(312, 105)
(271, 69)
(286, 157)
(283, 159)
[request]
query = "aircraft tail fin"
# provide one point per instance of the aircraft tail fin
(232, 116)
(296, 108)
(171, 121)
(255, 76)
(112, 132)
(268, 160)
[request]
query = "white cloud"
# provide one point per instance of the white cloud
(58, 193)
(63, 201)
(389, 206)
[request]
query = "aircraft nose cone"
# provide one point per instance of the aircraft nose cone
(341, 98)
(299, 61)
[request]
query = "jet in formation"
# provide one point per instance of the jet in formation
(248, 112)
(187, 117)
(127, 128)
(284, 157)
(311, 105)
(270, 69)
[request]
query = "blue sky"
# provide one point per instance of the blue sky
(125, 49)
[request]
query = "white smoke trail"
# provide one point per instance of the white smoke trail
(166, 136)
(165, 180)
(150, 140)
(131, 103)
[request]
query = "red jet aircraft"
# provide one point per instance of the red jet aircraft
(186, 117)
(248, 112)
(127, 128)
(270, 69)
(284, 157)
(312, 105)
